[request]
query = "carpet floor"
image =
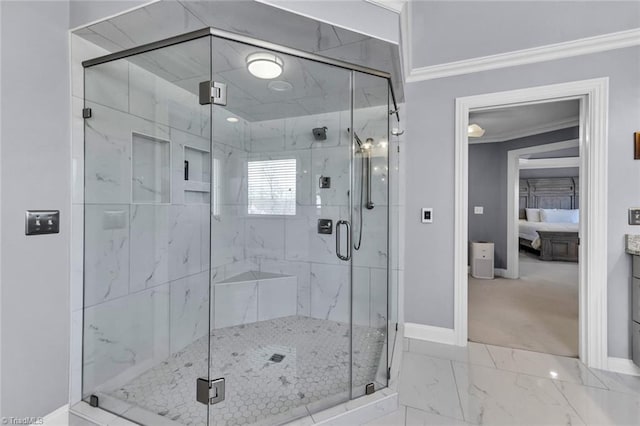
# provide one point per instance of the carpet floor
(538, 312)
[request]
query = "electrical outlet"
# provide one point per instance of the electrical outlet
(478, 210)
(634, 216)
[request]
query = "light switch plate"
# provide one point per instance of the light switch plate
(427, 215)
(38, 222)
(634, 216)
(478, 210)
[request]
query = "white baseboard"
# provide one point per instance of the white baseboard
(429, 333)
(624, 366)
(57, 417)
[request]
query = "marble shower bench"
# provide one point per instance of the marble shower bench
(254, 296)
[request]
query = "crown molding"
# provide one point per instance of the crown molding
(530, 131)
(583, 46)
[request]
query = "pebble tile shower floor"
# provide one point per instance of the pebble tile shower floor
(315, 367)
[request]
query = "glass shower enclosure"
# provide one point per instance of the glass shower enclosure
(236, 237)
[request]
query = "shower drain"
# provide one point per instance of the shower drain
(276, 357)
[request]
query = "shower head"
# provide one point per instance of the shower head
(320, 133)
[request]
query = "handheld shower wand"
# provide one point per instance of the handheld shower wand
(364, 149)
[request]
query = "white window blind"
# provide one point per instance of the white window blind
(272, 187)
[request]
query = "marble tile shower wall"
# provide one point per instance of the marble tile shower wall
(146, 292)
(291, 244)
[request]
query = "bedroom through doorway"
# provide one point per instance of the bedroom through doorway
(524, 186)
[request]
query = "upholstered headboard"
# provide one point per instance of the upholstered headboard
(549, 193)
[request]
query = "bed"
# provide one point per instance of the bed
(556, 239)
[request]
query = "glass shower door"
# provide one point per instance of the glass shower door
(371, 233)
(146, 240)
(281, 235)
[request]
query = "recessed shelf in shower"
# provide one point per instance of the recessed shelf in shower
(197, 187)
(150, 170)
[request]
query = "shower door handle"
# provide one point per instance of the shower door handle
(339, 240)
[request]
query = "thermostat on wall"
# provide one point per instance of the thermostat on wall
(427, 215)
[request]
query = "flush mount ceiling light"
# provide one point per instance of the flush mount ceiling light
(265, 65)
(280, 86)
(232, 119)
(475, 131)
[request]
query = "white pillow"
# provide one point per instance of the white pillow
(557, 216)
(533, 215)
(575, 216)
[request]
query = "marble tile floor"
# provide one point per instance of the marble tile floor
(483, 384)
(313, 372)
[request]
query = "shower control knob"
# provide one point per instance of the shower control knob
(325, 182)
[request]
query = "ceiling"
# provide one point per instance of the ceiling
(317, 87)
(503, 124)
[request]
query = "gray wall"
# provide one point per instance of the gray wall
(445, 31)
(35, 175)
(82, 12)
(430, 153)
(488, 187)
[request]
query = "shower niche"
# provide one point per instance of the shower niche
(150, 169)
(217, 272)
(197, 175)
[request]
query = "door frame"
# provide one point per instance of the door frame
(513, 189)
(594, 97)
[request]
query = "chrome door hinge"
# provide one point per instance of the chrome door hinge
(369, 388)
(213, 92)
(86, 112)
(389, 373)
(94, 401)
(396, 326)
(210, 392)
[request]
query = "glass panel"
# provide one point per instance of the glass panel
(281, 336)
(146, 242)
(370, 231)
(394, 226)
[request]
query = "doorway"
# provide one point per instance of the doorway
(592, 97)
(532, 150)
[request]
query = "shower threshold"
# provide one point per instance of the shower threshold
(312, 373)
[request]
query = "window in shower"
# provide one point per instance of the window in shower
(272, 187)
